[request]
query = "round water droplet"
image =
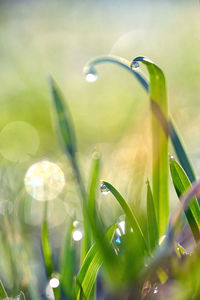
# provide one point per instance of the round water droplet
(91, 76)
(44, 180)
(54, 282)
(77, 235)
(118, 240)
(104, 189)
(171, 158)
(135, 65)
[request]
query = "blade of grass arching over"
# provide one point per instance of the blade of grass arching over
(182, 184)
(128, 212)
(158, 97)
(68, 264)
(152, 226)
(178, 147)
(3, 294)
(87, 275)
(46, 247)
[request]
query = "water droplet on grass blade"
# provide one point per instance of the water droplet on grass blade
(91, 76)
(135, 65)
(77, 235)
(54, 282)
(44, 180)
(104, 189)
(118, 240)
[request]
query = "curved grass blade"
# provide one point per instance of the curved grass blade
(178, 147)
(87, 275)
(64, 122)
(128, 213)
(151, 219)
(68, 264)
(158, 98)
(182, 184)
(124, 63)
(3, 294)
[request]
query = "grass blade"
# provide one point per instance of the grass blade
(67, 264)
(46, 247)
(181, 154)
(178, 147)
(88, 272)
(94, 180)
(151, 219)
(158, 99)
(3, 294)
(128, 212)
(63, 118)
(182, 184)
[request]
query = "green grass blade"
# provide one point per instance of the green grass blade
(68, 264)
(93, 184)
(128, 212)
(87, 275)
(63, 118)
(158, 99)
(181, 154)
(94, 181)
(178, 147)
(3, 294)
(151, 219)
(182, 184)
(46, 248)
(68, 141)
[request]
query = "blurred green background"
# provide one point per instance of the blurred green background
(38, 38)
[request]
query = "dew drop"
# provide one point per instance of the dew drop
(171, 158)
(135, 65)
(104, 189)
(54, 282)
(118, 240)
(77, 235)
(91, 76)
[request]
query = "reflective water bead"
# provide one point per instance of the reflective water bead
(104, 189)
(135, 65)
(91, 76)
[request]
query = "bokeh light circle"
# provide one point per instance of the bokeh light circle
(44, 180)
(18, 141)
